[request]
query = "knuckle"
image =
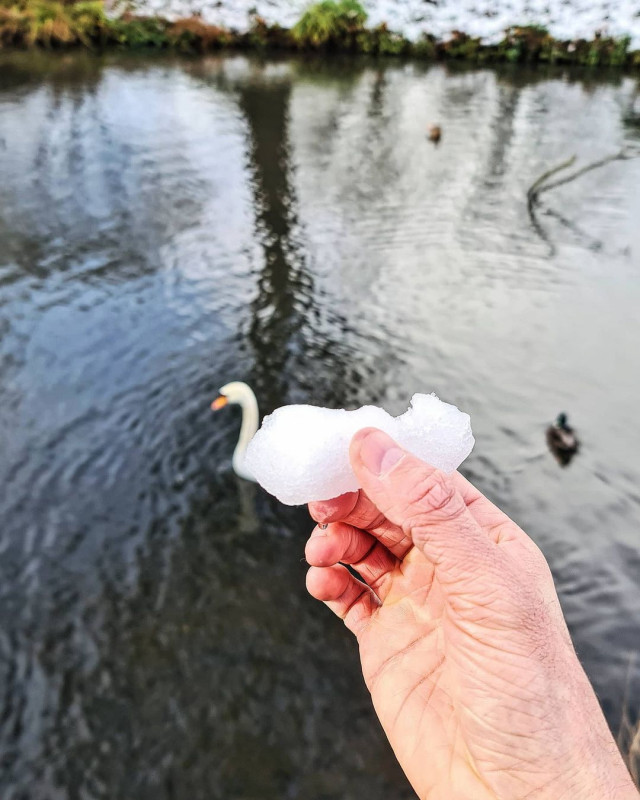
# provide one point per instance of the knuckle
(365, 514)
(432, 492)
(352, 544)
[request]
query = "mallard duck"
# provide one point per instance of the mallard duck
(562, 440)
(434, 133)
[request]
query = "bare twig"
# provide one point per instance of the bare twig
(532, 199)
(542, 184)
(535, 188)
(539, 185)
(621, 156)
(629, 733)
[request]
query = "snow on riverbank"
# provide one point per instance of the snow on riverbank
(565, 19)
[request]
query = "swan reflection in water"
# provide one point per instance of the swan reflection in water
(241, 394)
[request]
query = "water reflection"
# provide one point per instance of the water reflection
(166, 226)
(284, 289)
(208, 682)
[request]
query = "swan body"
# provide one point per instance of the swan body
(241, 394)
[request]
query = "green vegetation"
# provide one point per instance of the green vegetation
(533, 43)
(629, 744)
(381, 41)
(329, 25)
(49, 24)
(138, 32)
(633, 756)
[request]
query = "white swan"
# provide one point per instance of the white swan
(242, 394)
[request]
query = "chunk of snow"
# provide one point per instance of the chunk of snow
(301, 452)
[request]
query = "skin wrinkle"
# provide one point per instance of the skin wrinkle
(481, 778)
(517, 659)
(360, 519)
(421, 681)
(378, 578)
(529, 734)
(368, 597)
(495, 618)
(437, 551)
(362, 552)
(416, 743)
(377, 550)
(353, 553)
(437, 494)
(520, 712)
(358, 598)
(534, 614)
(550, 784)
(506, 712)
(528, 775)
(360, 512)
(433, 529)
(419, 616)
(372, 679)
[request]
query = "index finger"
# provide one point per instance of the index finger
(356, 509)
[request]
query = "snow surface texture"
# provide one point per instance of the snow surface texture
(565, 19)
(301, 453)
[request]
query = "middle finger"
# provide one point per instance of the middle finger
(344, 543)
(355, 508)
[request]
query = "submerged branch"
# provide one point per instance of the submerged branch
(536, 186)
(621, 156)
(542, 184)
(539, 185)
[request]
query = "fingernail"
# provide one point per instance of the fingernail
(379, 453)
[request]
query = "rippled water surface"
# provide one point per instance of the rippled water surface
(168, 226)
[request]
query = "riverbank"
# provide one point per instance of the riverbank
(325, 27)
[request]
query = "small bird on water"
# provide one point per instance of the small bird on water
(562, 440)
(434, 132)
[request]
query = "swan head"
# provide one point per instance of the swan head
(235, 392)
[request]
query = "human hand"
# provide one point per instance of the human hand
(462, 640)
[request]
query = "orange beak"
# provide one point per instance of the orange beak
(219, 402)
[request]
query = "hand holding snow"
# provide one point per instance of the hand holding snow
(301, 453)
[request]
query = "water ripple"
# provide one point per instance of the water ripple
(166, 226)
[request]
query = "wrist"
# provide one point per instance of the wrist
(592, 767)
(604, 778)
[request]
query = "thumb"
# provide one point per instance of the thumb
(420, 499)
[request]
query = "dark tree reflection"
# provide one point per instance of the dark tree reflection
(284, 287)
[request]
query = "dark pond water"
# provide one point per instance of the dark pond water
(168, 226)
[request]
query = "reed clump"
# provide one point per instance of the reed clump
(629, 744)
(29, 23)
(330, 24)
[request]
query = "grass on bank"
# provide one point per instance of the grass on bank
(629, 744)
(26, 23)
(329, 25)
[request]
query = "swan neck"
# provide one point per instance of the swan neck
(250, 423)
